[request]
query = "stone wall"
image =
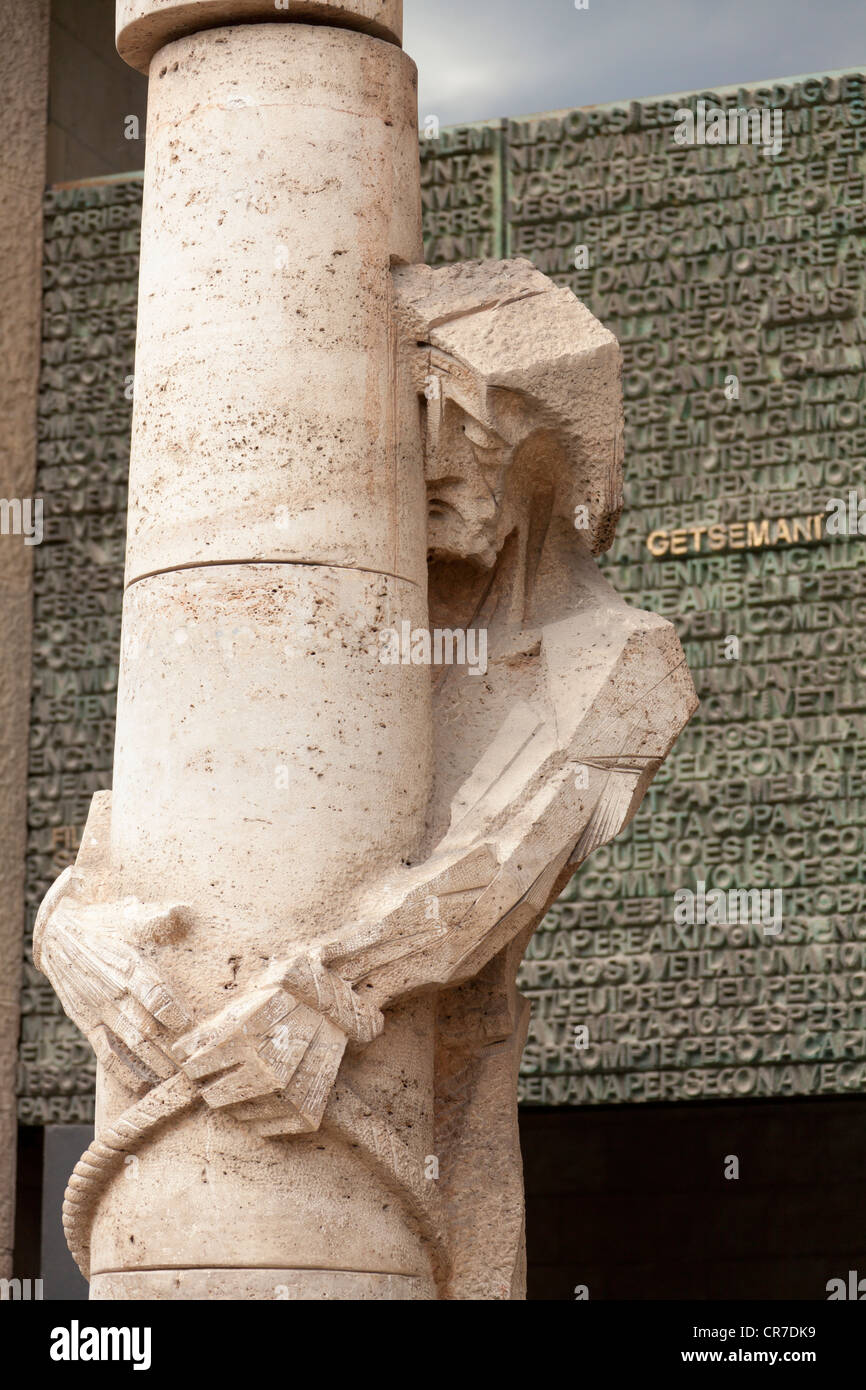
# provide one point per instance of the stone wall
(23, 87)
(90, 292)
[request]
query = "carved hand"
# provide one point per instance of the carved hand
(108, 986)
(271, 1056)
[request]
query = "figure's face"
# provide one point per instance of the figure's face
(466, 468)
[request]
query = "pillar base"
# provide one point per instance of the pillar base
(260, 1285)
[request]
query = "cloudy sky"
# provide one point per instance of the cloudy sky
(485, 58)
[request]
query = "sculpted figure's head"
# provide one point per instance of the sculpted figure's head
(521, 394)
(468, 461)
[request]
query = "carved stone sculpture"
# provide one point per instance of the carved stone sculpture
(377, 702)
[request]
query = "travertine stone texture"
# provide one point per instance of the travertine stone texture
(268, 764)
(265, 680)
(145, 26)
(261, 1285)
(249, 1202)
(293, 929)
(23, 106)
(265, 293)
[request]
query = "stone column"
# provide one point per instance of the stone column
(23, 104)
(267, 764)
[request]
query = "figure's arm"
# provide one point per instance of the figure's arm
(106, 983)
(489, 880)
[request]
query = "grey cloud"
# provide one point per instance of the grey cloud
(484, 58)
